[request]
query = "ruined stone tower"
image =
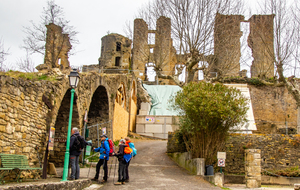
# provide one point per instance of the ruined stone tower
(57, 49)
(260, 40)
(161, 53)
(115, 52)
(227, 47)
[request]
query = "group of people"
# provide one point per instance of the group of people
(123, 157)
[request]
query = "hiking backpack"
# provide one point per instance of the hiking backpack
(79, 143)
(134, 151)
(127, 150)
(111, 147)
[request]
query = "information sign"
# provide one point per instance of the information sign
(221, 155)
(51, 138)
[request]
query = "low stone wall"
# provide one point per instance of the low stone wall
(265, 180)
(277, 151)
(195, 166)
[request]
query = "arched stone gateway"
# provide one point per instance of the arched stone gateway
(61, 128)
(98, 114)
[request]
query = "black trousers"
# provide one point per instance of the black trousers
(99, 164)
(122, 171)
(127, 174)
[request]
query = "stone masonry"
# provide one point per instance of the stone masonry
(260, 40)
(57, 48)
(115, 52)
(253, 168)
(227, 48)
(161, 53)
(29, 108)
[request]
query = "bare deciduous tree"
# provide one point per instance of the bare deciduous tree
(26, 64)
(192, 31)
(3, 54)
(35, 40)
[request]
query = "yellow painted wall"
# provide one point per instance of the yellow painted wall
(120, 122)
(133, 111)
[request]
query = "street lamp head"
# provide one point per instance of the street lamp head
(74, 78)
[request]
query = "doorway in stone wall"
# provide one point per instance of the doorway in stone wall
(61, 128)
(98, 114)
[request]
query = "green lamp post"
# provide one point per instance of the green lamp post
(73, 79)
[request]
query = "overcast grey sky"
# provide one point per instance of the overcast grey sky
(92, 19)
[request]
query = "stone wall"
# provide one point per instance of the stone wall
(28, 108)
(23, 116)
(261, 42)
(56, 49)
(227, 34)
(277, 151)
(272, 107)
(115, 52)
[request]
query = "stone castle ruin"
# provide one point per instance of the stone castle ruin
(109, 93)
(57, 49)
(117, 55)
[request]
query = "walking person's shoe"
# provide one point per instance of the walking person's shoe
(123, 183)
(94, 179)
(71, 179)
(103, 181)
(118, 183)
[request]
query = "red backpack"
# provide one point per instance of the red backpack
(111, 147)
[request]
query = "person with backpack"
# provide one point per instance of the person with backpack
(77, 144)
(123, 156)
(104, 150)
(134, 152)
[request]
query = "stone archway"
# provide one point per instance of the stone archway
(99, 113)
(61, 128)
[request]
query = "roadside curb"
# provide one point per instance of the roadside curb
(67, 185)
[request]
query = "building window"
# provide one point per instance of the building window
(117, 61)
(118, 46)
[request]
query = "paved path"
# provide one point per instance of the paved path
(153, 169)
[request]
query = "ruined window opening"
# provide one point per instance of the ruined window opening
(151, 74)
(151, 38)
(151, 50)
(118, 46)
(246, 58)
(120, 97)
(117, 61)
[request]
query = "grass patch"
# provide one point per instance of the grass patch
(288, 172)
(28, 76)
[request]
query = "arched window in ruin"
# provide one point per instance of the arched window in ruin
(118, 46)
(121, 96)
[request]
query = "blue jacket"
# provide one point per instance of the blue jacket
(103, 149)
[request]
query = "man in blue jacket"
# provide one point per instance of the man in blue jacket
(103, 159)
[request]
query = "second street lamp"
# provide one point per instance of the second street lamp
(74, 80)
